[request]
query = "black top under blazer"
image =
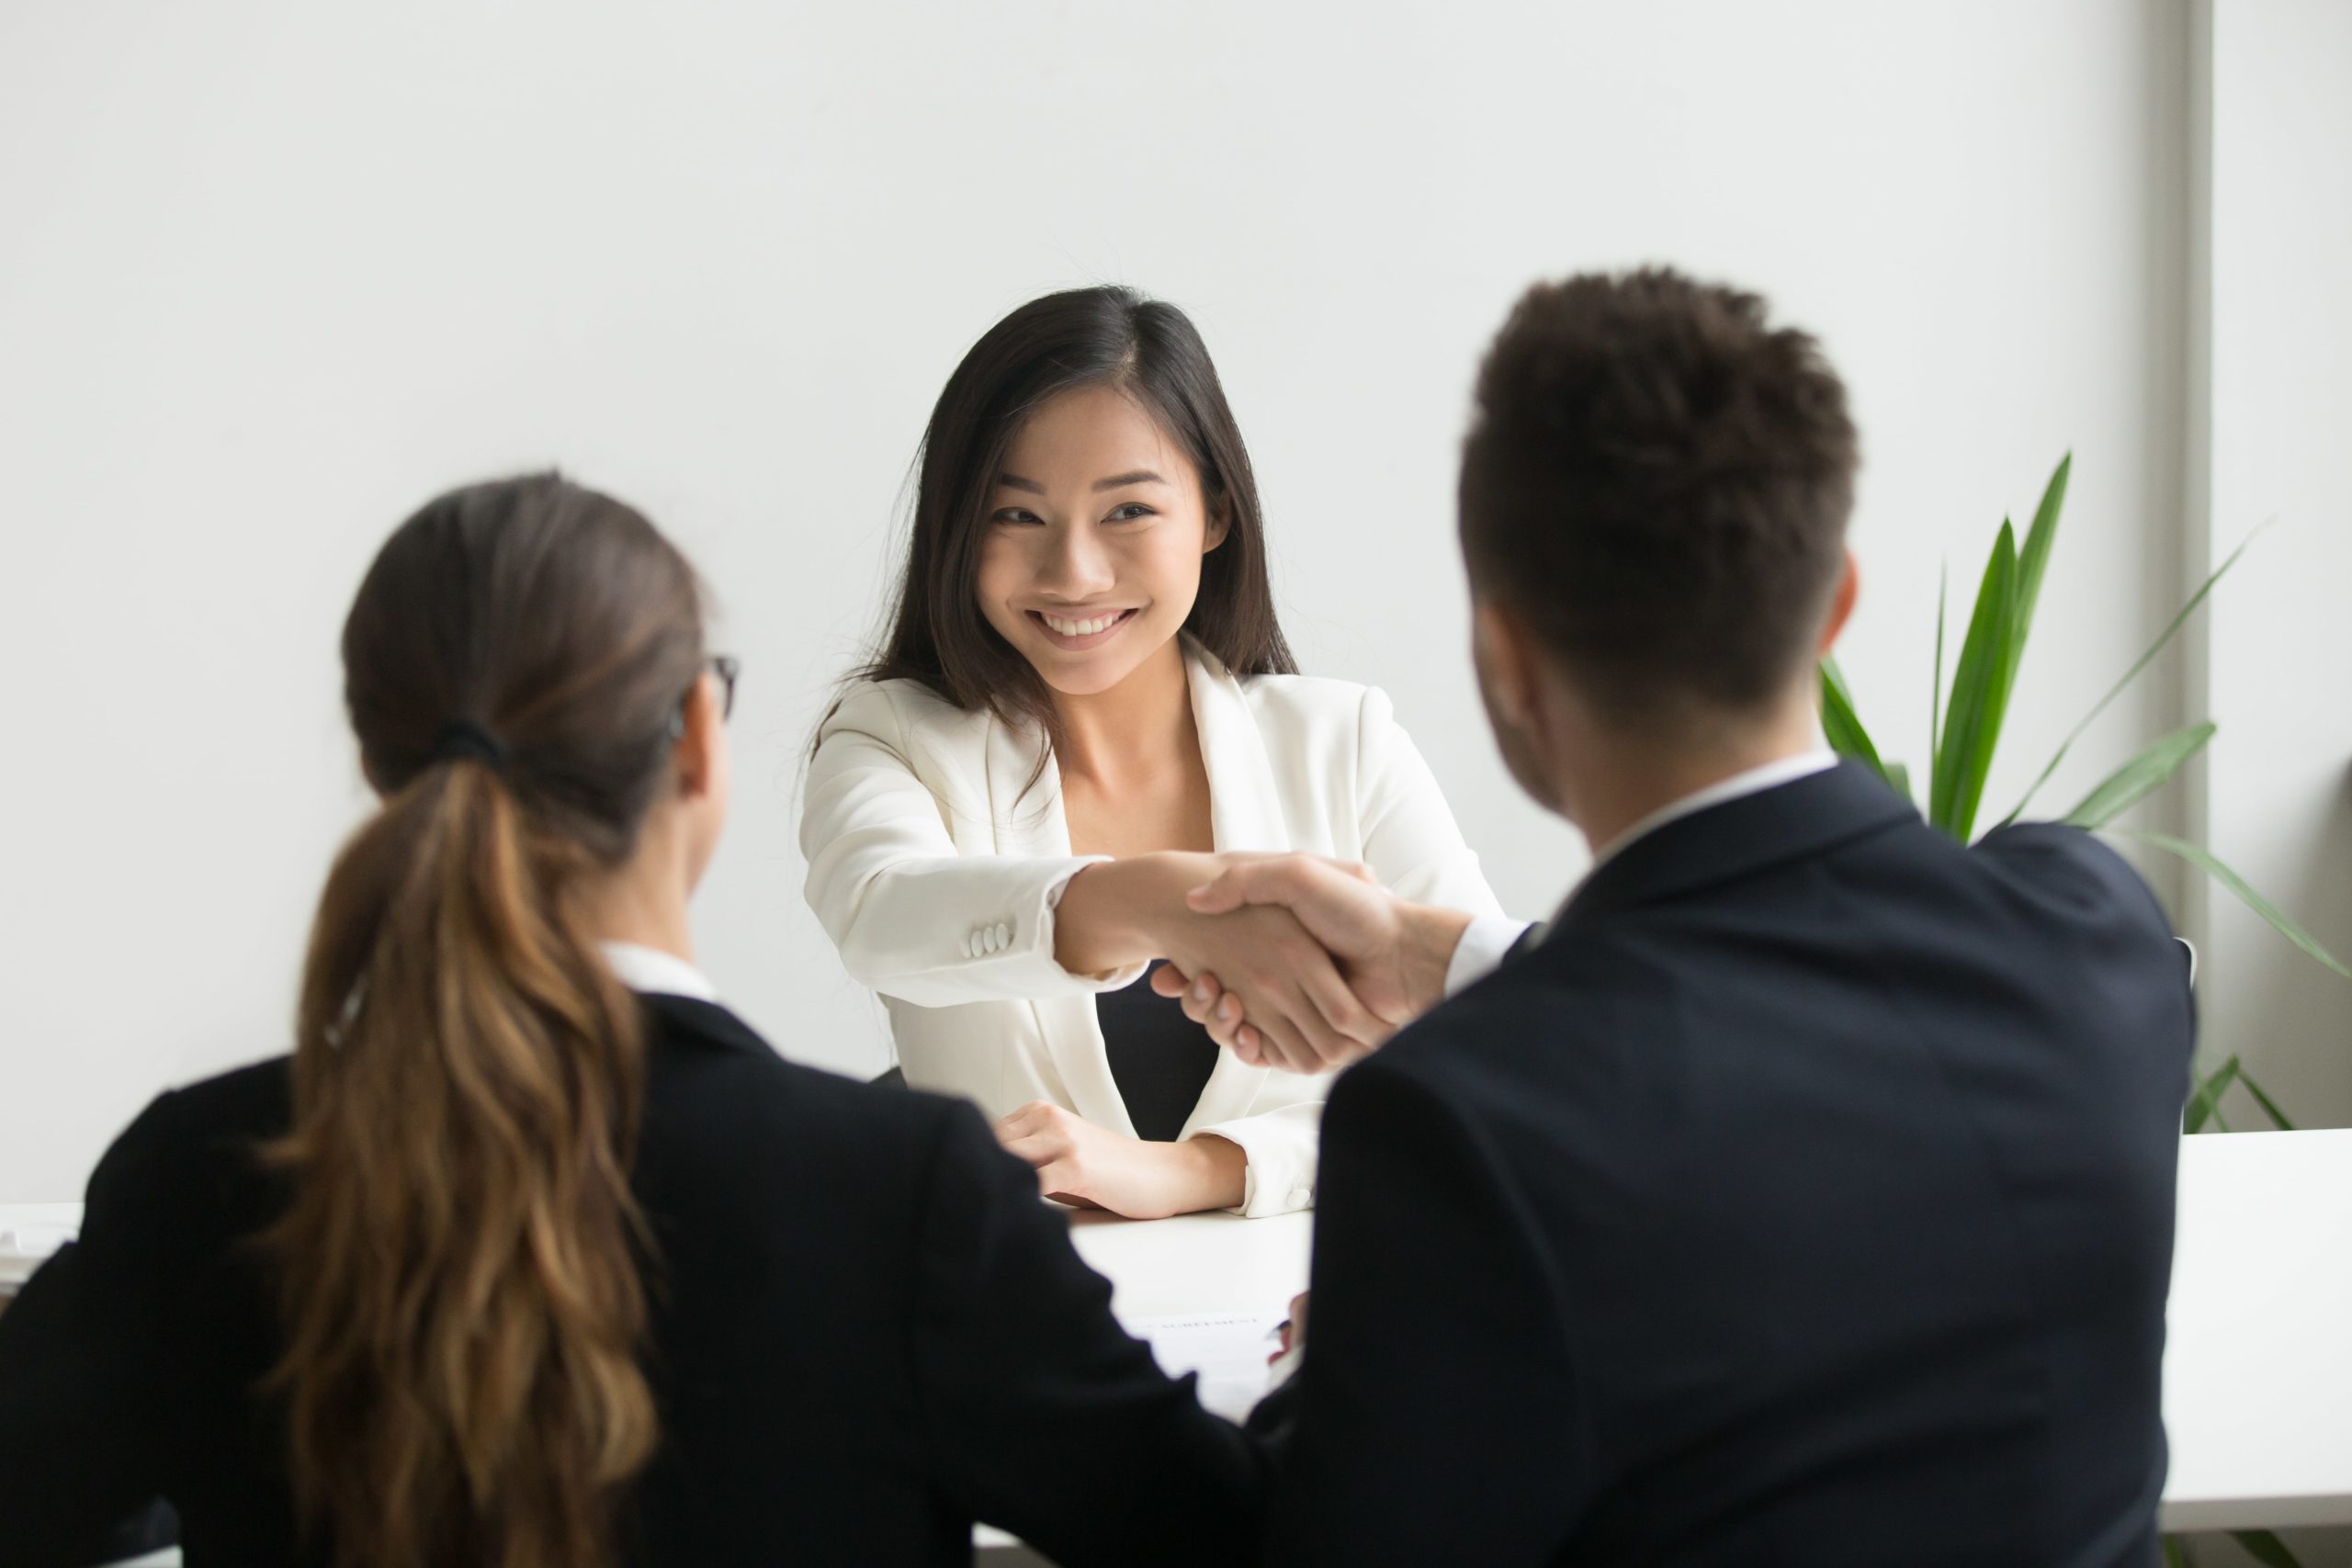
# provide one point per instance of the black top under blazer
(867, 1333)
(1803, 1197)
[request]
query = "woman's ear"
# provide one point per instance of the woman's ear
(1220, 523)
(696, 756)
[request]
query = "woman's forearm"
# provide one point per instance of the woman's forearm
(1218, 1172)
(1117, 912)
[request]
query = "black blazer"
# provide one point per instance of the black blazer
(868, 1332)
(1803, 1197)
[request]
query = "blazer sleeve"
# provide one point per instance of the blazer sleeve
(83, 1412)
(1409, 837)
(1433, 1318)
(914, 918)
(1041, 1415)
(1280, 1147)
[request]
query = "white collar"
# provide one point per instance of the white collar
(649, 971)
(1754, 781)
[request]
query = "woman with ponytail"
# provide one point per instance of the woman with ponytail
(532, 1254)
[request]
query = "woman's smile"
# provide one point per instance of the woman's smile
(1076, 634)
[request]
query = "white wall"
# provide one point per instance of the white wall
(270, 274)
(2279, 785)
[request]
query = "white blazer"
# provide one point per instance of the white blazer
(937, 879)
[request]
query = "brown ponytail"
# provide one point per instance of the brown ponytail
(460, 1254)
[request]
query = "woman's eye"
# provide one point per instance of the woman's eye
(1017, 514)
(1130, 512)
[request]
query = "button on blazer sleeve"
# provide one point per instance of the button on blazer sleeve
(1043, 1416)
(914, 918)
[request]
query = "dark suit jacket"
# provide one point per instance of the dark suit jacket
(1803, 1197)
(867, 1333)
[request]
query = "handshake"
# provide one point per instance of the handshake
(1305, 964)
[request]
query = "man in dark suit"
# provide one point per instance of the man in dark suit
(1804, 1193)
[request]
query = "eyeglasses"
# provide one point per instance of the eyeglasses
(726, 666)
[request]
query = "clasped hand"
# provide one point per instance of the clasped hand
(1389, 954)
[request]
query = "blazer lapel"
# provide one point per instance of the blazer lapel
(1245, 812)
(1245, 798)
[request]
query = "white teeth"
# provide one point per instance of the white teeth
(1082, 628)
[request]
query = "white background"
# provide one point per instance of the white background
(271, 274)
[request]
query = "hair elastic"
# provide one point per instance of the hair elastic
(463, 738)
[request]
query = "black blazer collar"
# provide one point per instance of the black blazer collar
(688, 1020)
(1740, 837)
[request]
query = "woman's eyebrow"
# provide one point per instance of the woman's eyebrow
(1014, 481)
(1138, 477)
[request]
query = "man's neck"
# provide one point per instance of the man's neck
(1629, 780)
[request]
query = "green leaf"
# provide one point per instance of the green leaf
(2141, 663)
(2207, 1101)
(2269, 1106)
(2033, 557)
(2125, 788)
(1841, 723)
(2266, 1548)
(2177, 1553)
(1936, 702)
(1980, 695)
(2279, 920)
(1899, 777)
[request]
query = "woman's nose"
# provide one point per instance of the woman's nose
(1075, 563)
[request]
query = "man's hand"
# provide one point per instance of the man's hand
(1093, 1168)
(1304, 1015)
(1393, 955)
(1291, 1330)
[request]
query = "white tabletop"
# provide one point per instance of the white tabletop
(2258, 1366)
(2257, 1369)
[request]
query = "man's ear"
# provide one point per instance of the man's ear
(1505, 654)
(1841, 605)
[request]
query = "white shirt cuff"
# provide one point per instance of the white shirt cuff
(1481, 950)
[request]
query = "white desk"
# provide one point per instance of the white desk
(2257, 1373)
(2258, 1367)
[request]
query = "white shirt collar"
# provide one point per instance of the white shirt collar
(1754, 781)
(649, 971)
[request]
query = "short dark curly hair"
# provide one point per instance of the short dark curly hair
(1657, 480)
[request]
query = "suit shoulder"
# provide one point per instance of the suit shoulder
(894, 711)
(726, 1081)
(1309, 702)
(234, 1108)
(1315, 715)
(2069, 863)
(190, 1165)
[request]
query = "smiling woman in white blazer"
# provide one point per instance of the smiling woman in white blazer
(1085, 708)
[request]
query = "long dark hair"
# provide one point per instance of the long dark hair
(1082, 337)
(459, 1257)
